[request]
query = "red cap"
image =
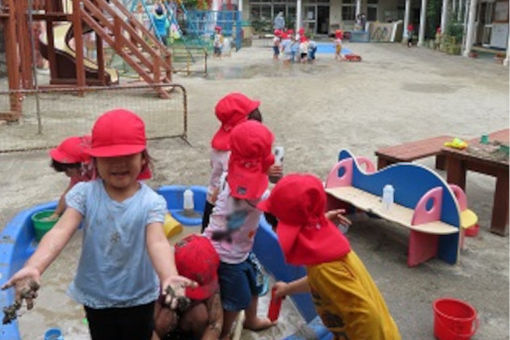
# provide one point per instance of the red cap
(306, 236)
(118, 133)
(196, 259)
(72, 150)
(250, 158)
(290, 32)
(231, 110)
(301, 31)
(217, 28)
(277, 32)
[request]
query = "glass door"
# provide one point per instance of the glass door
(310, 18)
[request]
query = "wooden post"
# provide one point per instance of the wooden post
(117, 34)
(78, 39)
(11, 50)
(100, 60)
(25, 50)
(52, 57)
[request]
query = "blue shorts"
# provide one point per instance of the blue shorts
(239, 283)
(276, 50)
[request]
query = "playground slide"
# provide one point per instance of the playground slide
(66, 63)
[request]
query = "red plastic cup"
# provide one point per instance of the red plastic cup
(274, 306)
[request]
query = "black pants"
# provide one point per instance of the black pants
(130, 323)
(207, 213)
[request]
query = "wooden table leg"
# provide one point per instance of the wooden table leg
(382, 162)
(440, 162)
(499, 222)
(456, 172)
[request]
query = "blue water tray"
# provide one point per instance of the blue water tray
(174, 196)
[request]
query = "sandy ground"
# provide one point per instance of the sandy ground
(395, 95)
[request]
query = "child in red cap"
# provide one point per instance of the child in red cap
(276, 43)
(235, 220)
(124, 249)
(339, 35)
(231, 110)
(70, 157)
(217, 41)
(196, 259)
(344, 294)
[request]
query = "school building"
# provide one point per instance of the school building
(485, 22)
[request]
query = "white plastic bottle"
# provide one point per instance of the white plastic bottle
(388, 195)
(188, 205)
(279, 152)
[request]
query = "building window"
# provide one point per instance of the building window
(372, 10)
(348, 10)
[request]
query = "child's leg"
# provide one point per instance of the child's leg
(253, 322)
(195, 320)
(228, 320)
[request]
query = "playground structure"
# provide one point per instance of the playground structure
(110, 22)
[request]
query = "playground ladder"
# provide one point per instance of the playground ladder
(140, 49)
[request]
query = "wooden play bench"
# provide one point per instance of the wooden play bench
(408, 152)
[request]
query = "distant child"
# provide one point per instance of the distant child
(70, 158)
(231, 110)
(410, 32)
(303, 49)
(285, 47)
(338, 45)
(312, 49)
(345, 296)
(294, 48)
(124, 249)
(218, 41)
(161, 24)
(234, 223)
(276, 44)
(202, 318)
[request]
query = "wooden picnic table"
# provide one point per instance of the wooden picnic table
(474, 158)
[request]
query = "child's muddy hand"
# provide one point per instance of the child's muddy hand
(26, 283)
(174, 290)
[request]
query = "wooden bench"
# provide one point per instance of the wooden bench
(408, 152)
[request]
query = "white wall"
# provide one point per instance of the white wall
(335, 12)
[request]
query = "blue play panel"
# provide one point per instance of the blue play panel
(329, 48)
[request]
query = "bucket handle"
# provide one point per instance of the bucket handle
(476, 322)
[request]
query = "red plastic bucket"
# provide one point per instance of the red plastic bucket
(454, 319)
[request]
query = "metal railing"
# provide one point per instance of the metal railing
(72, 111)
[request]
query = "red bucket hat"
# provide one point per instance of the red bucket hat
(231, 110)
(196, 259)
(250, 158)
(72, 150)
(306, 236)
(118, 133)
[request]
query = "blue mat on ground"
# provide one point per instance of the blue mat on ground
(329, 48)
